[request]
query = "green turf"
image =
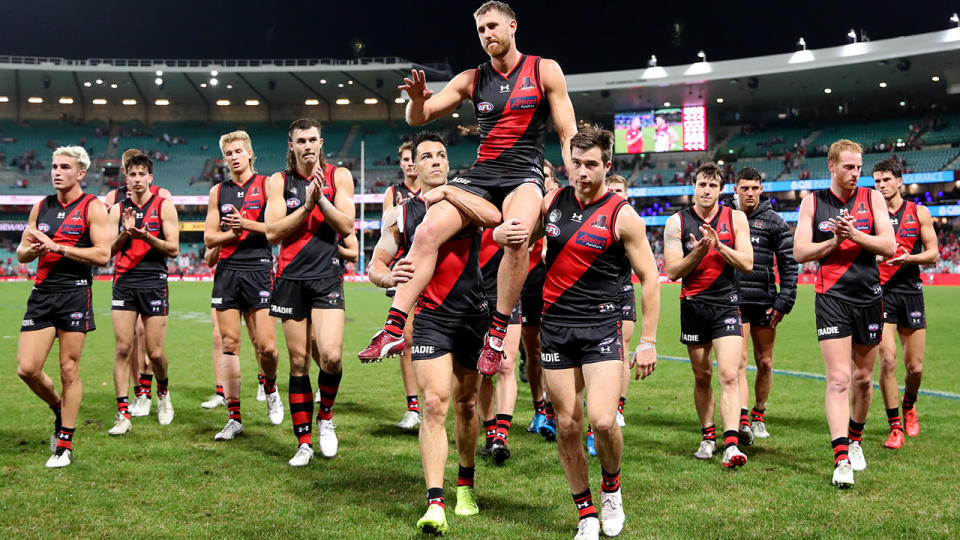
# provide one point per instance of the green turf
(176, 481)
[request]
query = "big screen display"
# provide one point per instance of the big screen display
(673, 129)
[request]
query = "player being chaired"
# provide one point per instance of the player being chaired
(244, 279)
(845, 227)
(146, 231)
(589, 231)
(704, 245)
(513, 94)
(308, 206)
(68, 233)
(447, 329)
(903, 310)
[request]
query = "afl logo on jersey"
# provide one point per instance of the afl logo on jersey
(76, 315)
(226, 208)
(293, 202)
(43, 227)
(916, 314)
(484, 107)
(873, 327)
(824, 226)
(552, 230)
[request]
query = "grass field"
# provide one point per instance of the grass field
(177, 481)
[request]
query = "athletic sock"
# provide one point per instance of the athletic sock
(162, 389)
(589, 430)
(220, 391)
(233, 406)
(57, 415)
(841, 445)
(123, 406)
(328, 383)
(709, 433)
(435, 496)
(413, 404)
(540, 407)
(585, 506)
(396, 320)
(465, 475)
(65, 437)
(758, 414)
(855, 431)
(908, 400)
(146, 382)
(730, 438)
(893, 418)
(260, 378)
(620, 404)
(301, 408)
(549, 413)
(490, 430)
(498, 325)
(503, 427)
(269, 385)
(744, 417)
(610, 482)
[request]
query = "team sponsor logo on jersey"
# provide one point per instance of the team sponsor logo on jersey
(552, 230)
(604, 349)
(43, 227)
(139, 215)
(293, 202)
(591, 241)
(281, 310)
(824, 226)
(523, 102)
(61, 215)
(600, 222)
(504, 88)
(555, 215)
(526, 83)
(754, 239)
(873, 327)
(577, 217)
(550, 358)
(916, 314)
(81, 283)
(26, 322)
(422, 349)
(531, 180)
(76, 315)
(252, 205)
(216, 301)
(607, 307)
(828, 331)
(459, 180)
(117, 303)
(153, 227)
(690, 337)
(484, 107)
(71, 230)
(862, 224)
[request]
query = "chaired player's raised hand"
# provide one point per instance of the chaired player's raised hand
(416, 86)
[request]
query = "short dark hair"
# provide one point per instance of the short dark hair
(301, 124)
(139, 160)
(709, 170)
(590, 136)
(425, 136)
(748, 173)
(493, 5)
(890, 165)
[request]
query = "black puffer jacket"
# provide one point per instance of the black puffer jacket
(771, 237)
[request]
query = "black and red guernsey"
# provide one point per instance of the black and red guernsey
(311, 251)
(456, 287)
(123, 193)
(251, 251)
(137, 264)
(512, 112)
(849, 272)
(904, 279)
(713, 280)
(583, 260)
(402, 192)
(67, 225)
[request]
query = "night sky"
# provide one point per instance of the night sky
(582, 36)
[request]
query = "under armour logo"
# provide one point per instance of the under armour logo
(61, 215)
(577, 217)
(239, 194)
(504, 88)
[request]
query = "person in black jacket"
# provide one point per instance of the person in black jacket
(761, 306)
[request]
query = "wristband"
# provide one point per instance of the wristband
(644, 346)
(648, 340)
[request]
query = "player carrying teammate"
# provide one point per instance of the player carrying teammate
(761, 306)
(903, 310)
(704, 245)
(60, 304)
(514, 95)
(844, 227)
(146, 231)
(308, 206)
(589, 231)
(244, 278)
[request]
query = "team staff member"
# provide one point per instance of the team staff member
(514, 95)
(704, 245)
(903, 310)
(845, 227)
(243, 282)
(308, 206)
(589, 230)
(147, 232)
(761, 306)
(60, 303)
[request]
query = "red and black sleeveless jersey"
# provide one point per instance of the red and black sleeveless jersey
(456, 287)
(311, 251)
(512, 113)
(491, 253)
(251, 251)
(849, 272)
(122, 193)
(904, 279)
(137, 264)
(402, 192)
(67, 225)
(583, 260)
(712, 280)
(536, 254)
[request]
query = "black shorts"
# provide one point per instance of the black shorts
(242, 289)
(701, 323)
(69, 311)
(146, 302)
(494, 189)
(294, 298)
(434, 337)
(838, 319)
(516, 316)
(531, 296)
(567, 347)
(756, 314)
(627, 299)
(904, 310)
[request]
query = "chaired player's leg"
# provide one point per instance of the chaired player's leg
(124, 322)
(229, 320)
(327, 326)
(703, 398)
(155, 334)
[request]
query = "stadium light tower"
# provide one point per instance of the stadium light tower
(955, 19)
(702, 56)
(652, 62)
(802, 43)
(852, 36)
